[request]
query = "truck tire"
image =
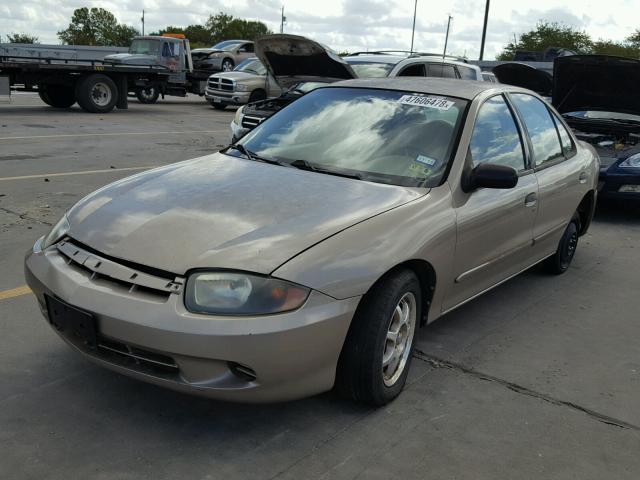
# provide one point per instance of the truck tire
(218, 106)
(147, 95)
(97, 93)
(57, 96)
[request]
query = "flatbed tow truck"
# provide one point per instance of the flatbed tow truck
(62, 76)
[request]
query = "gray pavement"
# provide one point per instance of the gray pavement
(540, 378)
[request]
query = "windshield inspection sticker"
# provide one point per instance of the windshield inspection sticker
(429, 102)
(430, 162)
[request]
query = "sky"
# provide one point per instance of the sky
(349, 25)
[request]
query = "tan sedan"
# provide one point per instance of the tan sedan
(307, 255)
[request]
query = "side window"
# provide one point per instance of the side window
(248, 47)
(416, 70)
(495, 136)
(441, 70)
(541, 128)
(568, 148)
(168, 49)
(467, 73)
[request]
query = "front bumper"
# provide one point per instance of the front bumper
(615, 183)
(292, 355)
(237, 131)
(226, 97)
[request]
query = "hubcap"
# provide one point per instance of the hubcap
(101, 94)
(226, 67)
(147, 93)
(397, 345)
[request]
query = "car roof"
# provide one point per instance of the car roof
(465, 89)
(392, 59)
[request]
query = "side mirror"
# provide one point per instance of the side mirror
(489, 175)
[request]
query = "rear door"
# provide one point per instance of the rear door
(558, 169)
(494, 226)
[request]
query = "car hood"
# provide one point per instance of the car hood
(131, 59)
(221, 211)
(525, 76)
(596, 82)
(291, 59)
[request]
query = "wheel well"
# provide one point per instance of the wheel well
(427, 278)
(585, 211)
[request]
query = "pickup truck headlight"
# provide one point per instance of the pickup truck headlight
(238, 118)
(58, 231)
(238, 293)
(632, 162)
(240, 87)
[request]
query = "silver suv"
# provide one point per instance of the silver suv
(404, 64)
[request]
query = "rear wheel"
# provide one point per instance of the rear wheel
(97, 93)
(58, 96)
(560, 261)
(147, 95)
(375, 360)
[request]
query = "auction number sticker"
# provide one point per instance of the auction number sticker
(429, 102)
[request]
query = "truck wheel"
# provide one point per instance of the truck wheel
(227, 65)
(218, 106)
(147, 95)
(97, 93)
(57, 96)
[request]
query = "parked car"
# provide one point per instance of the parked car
(381, 64)
(309, 253)
(223, 56)
(298, 65)
(598, 97)
(248, 82)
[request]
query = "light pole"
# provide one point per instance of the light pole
(142, 23)
(413, 30)
(484, 30)
(446, 39)
(283, 19)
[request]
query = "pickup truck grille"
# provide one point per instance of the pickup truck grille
(249, 121)
(217, 83)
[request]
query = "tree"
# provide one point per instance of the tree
(634, 38)
(619, 49)
(225, 27)
(550, 34)
(22, 38)
(198, 35)
(96, 26)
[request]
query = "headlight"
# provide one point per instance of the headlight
(58, 231)
(632, 162)
(238, 118)
(235, 293)
(241, 87)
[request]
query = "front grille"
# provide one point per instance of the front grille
(107, 271)
(136, 358)
(249, 121)
(217, 83)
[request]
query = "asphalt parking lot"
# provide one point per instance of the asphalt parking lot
(540, 378)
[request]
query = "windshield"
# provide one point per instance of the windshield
(226, 45)
(379, 135)
(371, 69)
(145, 47)
(251, 65)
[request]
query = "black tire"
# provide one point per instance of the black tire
(227, 65)
(147, 95)
(257, 95)
(560, 261)
(57, 96)
(360, 374)
(97, 93)
(218, 106)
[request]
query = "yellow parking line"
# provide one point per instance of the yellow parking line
(82, 172)
(14, 292)
(111, 134)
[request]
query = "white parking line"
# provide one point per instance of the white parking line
(82, 172)
(112, 134)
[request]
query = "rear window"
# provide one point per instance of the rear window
(371, 69)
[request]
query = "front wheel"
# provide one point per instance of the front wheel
(375, 359)
(560, 261)
(218, 106)
(227, 65)
(147, 95)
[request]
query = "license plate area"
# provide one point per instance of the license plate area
(73, 322)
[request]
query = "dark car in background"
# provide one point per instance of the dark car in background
(598, 97)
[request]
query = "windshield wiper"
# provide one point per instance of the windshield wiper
(255, 157)
(305, 165)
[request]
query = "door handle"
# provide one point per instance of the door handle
(530, 200)
(583, 177)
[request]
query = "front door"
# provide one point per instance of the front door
(494, 226)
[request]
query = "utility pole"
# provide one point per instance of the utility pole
(413, 30)
(484, 30)
(446, 39)
(283, 20)
(142, 23)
